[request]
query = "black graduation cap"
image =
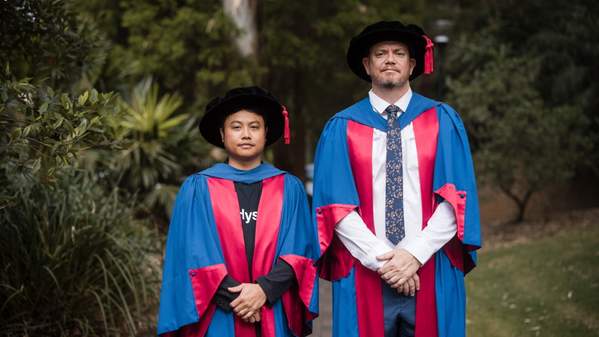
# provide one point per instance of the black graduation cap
(252, 98)
(419, 44)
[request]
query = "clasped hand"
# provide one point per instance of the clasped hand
(399, 271)
(249, 302)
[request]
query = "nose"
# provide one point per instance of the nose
(245, 133)
(390, 59)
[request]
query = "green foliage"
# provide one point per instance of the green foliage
(543, 287)
(521, 144)
(561, 37)
(302, 48)
(45, 40)
(564, 36)
(188, 47)
(185, 46)
(74, 262)
(44, 130)
(151, 133)
(152, 136)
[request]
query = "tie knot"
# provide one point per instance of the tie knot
(392, 111)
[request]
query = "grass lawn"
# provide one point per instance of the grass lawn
(545, 287)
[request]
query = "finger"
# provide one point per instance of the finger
(236, 302)
(393, 279)
(385, 256)
(411, 287)
(240, 308)
(400, 282)
(236, 289)
(247, 315)
(417, 281)
(252, 319)
(405, 290)
(387, 267)
(258, 317)
(243, 312)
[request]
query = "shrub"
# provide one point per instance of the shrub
(73, 261)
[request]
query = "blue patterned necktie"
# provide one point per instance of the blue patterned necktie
(394, 224)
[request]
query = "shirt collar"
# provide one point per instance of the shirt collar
(380, 104)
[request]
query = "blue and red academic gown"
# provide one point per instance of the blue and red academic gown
(205, 243)
(343, 182)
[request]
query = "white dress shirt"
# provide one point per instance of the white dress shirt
(421, 243)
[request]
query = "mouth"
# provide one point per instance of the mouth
(390, 70)
(246, 145)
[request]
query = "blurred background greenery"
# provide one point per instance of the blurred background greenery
(99, 102)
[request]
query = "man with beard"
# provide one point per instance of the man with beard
(395, 197)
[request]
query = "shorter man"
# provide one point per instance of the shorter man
(241, 246)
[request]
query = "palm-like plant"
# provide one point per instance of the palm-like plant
(148, 164)
(151, 132)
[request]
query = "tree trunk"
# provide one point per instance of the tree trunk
(243, 14)
(521, 202)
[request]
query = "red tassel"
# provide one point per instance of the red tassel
(286, 132)
(428, 56)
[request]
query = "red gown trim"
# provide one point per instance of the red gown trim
(225, 206)
(226, 214)
(426, 131)
(336, 260)
(268, 223)
(370, 308)
(297, 312)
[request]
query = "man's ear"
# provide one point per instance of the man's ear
(412, 65)
(366, 64)
(222, 135)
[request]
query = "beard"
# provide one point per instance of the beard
(390, 84)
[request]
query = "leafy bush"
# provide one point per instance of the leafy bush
(152, 138)
(151, 132)
(46, 39)
(521, 144)
(73, 261)
(42, 130)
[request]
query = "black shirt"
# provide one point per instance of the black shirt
(280, 277)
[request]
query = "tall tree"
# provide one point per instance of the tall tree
(303, 46)
(193, 48)
(562, 36)
(522, 144)
(555, 44)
